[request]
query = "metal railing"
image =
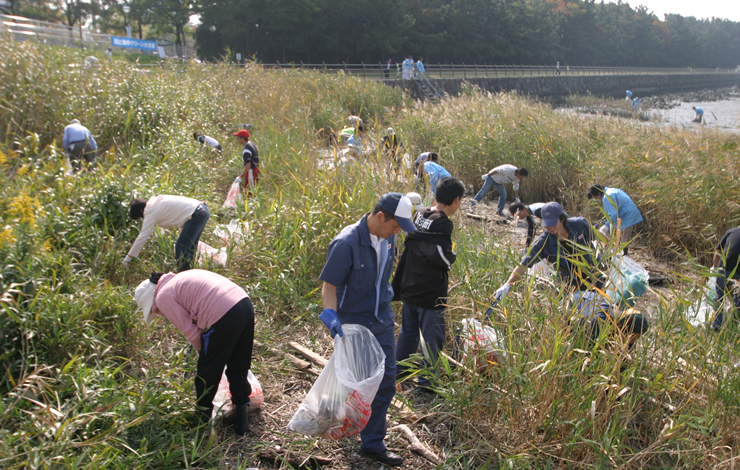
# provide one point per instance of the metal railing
(464, 71)
(19, 28)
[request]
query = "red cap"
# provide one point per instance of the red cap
(242, 133)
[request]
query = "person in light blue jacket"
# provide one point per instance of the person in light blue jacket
(420, 68)
(79, 144)
(434, 172)
(617, 205)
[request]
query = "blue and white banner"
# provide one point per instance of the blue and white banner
(130, 43)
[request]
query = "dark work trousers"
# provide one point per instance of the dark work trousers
(432, 326)
(374, 433)
(187, 242)
(628, 325)
(78, 151)
(228, 342)
(725, 288)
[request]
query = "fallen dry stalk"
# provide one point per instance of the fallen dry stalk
(416, 445)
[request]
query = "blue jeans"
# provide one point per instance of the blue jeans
(487, 187)
(374, 433)
(722, 289)
(187, 242)
(432, 325)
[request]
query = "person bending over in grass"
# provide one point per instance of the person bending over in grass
(357, 290)
(433, 172)
(217, 318)
(618, 205)
(251, 157)
(204, 139)
(522, 212)
(567, 244)
(170, 212)
(727, 266)
(499, 177)
(422, 276)
(80, 145)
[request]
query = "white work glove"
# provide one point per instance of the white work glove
(484, 177)
(126, 260)
(238, 180)
(501, 292)
(516, 199)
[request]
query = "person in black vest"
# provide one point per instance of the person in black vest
(422, 276)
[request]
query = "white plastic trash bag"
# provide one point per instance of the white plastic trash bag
(627, 281)
(222, 401)
(338, 404)
(234, 197)
(217, 256)
(541, 270)
(702, 312)
(233, 233)
(479, 338)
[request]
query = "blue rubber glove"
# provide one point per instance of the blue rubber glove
(331, 320)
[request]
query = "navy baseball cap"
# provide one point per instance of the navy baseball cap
(551, 214)
(400, 206)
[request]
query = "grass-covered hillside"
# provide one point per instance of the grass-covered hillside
(86, 385)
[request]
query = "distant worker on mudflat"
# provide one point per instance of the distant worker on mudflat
(629, 96)
(699, 116)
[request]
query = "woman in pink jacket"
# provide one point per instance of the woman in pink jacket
(216, 317)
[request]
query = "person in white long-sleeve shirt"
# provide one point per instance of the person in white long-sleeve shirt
(79, 144)
(170, 212)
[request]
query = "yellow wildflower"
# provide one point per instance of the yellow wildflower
(6, 236)
(23, 208)
(3, 157)
(22, 170)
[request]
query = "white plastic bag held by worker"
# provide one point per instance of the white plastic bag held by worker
(338, 404)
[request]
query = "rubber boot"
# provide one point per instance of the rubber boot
(241, 423)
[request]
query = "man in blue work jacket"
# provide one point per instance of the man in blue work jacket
(618, 205)
(357, 290)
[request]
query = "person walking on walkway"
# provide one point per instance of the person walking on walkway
(217, 318)
(80, 145)
(408, 68)
(498, 177)
(420, 70)
(422, 277)
(387, 69)
(356, 289)
(170, 212)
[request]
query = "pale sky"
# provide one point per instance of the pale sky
(728, 9)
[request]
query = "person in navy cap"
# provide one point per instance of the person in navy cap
(357, 290)
(567, 244)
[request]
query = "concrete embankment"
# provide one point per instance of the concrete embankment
(565, 85)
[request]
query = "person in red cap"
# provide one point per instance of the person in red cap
(251, 160)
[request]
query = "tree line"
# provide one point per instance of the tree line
(577, 32)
